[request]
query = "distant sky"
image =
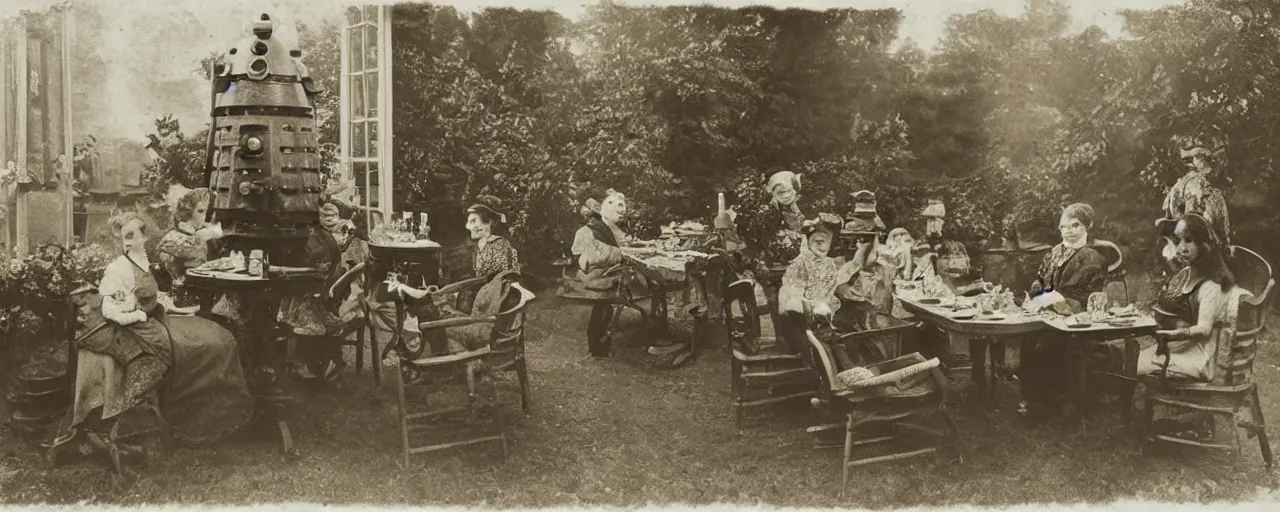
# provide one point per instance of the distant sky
(923, 21)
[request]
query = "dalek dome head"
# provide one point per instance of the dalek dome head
(263, 54)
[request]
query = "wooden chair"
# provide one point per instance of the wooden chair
(352, 333)
(623, 295)
(505, 352)
(904, 387)
(1115, 272)
(1232, 388)
(758, 377)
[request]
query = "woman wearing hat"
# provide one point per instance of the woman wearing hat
(494, 253)
(1193, 193)
(808, 289)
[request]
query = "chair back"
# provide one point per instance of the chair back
(1252, 273)
(507, 341)
(1116, 288)
(741, 314)
(824, 361)
(1240, 338)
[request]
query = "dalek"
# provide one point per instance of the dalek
(263, 165)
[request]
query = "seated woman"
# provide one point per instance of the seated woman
(131, 347)
(808, 290)
(598, 248)
(1201, 294)
(1071, 271)
(1191, 302)
(494, 253)
(186, 245)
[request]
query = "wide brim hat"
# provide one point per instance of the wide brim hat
(825, 221)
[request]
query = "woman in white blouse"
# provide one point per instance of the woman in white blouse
(192, 362)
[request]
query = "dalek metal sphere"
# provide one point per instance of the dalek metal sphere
(263, 165)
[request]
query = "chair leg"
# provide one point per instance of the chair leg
(499, 414)
(848, 453)
(404, 414)
(522, 371)
(375, 357)
(735, 376)
(359, 352)
(1256, 412)
(1145, 418)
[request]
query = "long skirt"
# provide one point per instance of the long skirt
(203, 395)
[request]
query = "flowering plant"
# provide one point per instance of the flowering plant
(34, 288)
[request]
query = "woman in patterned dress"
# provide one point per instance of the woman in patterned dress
(192, 362)
(494, 254)
(186, 245)
(808, 288)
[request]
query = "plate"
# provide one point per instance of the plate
(995, 318)
(931, 301)
(1079, 326)
(962, 316)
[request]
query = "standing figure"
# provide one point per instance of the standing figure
(598, 248)
(1193, 193)
(1071, 271)
(784, 186)
(132, 346)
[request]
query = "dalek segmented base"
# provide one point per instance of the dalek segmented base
(263, 164)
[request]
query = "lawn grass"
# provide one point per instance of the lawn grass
(617, 432)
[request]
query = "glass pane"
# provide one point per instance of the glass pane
(373, 138)
(355, 50)
(371, 13)
(370, 47)
(372, 170)
(371, 83)
(357, 141)
(357, 174)
(353, 15)
(357, 97)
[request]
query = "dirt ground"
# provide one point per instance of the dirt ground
(621, 432)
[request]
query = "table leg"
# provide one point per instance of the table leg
(1130, 370)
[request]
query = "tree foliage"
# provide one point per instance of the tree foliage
(1007, 120)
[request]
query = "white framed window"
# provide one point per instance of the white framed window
(365, 104)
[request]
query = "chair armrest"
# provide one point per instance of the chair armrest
(344, 282)
(455, 322)
(460, 285)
